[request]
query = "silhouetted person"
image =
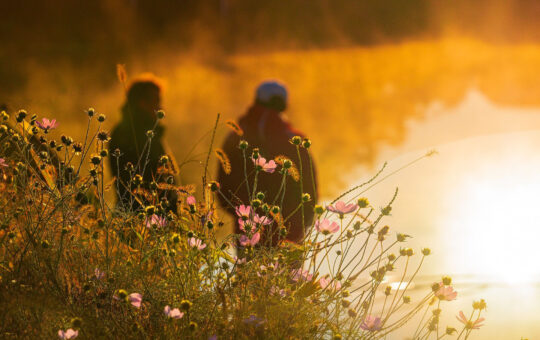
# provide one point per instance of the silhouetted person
(138, 154)
(266, 128)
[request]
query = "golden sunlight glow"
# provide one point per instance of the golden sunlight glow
(498, 222)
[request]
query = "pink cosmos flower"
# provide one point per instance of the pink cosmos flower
(135, 299)
(342, 208)
(274, 268)
(243, 211)
(47, 124)
(264, 220)
(173, 313)
(196, 243)
(250, 242)
(301, 275)
(262, 164)
(68, 334)
(99, 274)
(470, 324)
(446, 293)
(274, 290)
(156, 220)
(249, 224)
(246, 226)
(326, 227)
(371, 323)
(238, 261)
(326, 282)
(3, 163)
(191, 200)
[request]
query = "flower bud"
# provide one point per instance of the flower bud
(214, 186)
(256, 203)
(160, 114)
(479, 304)
(362, 202)
(401, 237)
(386, 210)
(122, 294)
(21, 115)
(101, 118)
(103, 136)
(426, 251)
(306, 197)
(435, 287)
(296, 140)
(91, 112)
(95, 159)
(306, 143)
(243, 145)
(76, 322)
(185, 305)
(255, 154)
(163, 159)
(137, 179)
(150, 210)
(446, 280)
(318, 209)
(406, 299)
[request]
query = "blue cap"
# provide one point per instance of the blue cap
(269, 89)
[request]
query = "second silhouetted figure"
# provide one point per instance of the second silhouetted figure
(264, 127)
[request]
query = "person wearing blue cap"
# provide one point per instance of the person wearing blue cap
(266, 128)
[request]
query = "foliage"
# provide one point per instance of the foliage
(73, 265)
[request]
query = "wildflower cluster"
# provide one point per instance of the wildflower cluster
(74, 265)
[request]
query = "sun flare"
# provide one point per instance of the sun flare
(497, 223)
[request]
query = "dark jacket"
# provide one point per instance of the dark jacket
(130, 137)
(267, 130)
